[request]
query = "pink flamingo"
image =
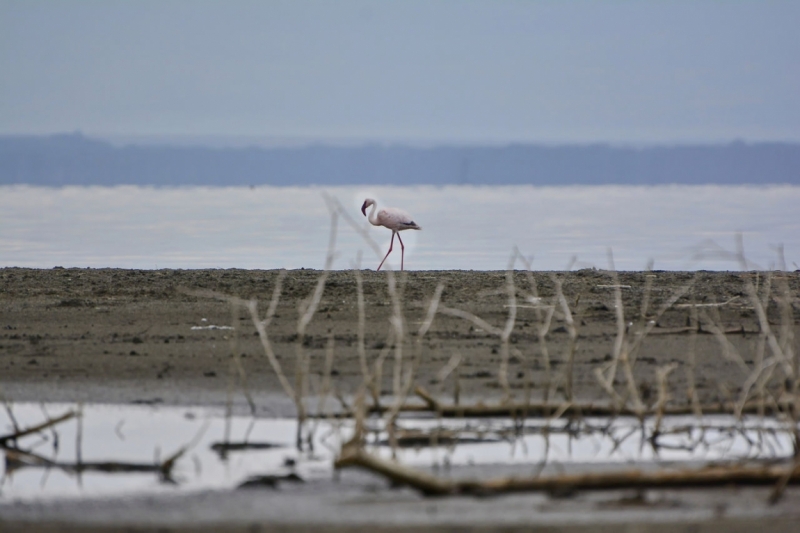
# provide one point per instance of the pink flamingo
(390, 217)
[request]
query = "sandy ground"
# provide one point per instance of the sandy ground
(120, 336)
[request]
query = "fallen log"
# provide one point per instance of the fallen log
(353, 455)
(16, 458)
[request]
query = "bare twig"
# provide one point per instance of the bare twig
(20, 432)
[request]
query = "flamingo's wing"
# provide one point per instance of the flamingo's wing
(396, 219)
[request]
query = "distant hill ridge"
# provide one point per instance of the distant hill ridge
(73, 159)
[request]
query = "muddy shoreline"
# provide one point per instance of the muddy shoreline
(169, 337)
(110, 335)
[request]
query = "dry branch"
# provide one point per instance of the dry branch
(37, 428)
(429, 485)
(224, 448)
(16, 458)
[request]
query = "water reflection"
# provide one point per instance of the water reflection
(132, 444)
(465, 227)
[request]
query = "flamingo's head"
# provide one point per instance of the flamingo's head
(368, 202)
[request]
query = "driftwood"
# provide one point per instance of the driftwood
(413, 438)
(224, 448)
(353, 455)
(552, 409)
(242, 446)
(16, 459)
(5, 439)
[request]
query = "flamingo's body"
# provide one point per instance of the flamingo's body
(395, 219)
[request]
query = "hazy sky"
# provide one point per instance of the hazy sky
(427, 71)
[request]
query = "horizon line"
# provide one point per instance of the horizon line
(207, 140)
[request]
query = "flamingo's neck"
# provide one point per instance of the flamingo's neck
(372, 218)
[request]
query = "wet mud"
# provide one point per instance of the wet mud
(109, 335)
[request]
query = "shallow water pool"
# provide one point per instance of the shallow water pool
(224, 453)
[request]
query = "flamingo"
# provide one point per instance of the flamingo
(390, 217)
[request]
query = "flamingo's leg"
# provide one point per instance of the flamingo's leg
(390, 250)
(402, 251)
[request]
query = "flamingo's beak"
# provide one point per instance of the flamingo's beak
(364, 209)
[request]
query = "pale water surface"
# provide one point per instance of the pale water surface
(465, 227)
(147, 435)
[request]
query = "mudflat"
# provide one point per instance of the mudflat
(181, 337)
(111, 335)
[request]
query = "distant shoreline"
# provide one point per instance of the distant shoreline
(74, 159)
